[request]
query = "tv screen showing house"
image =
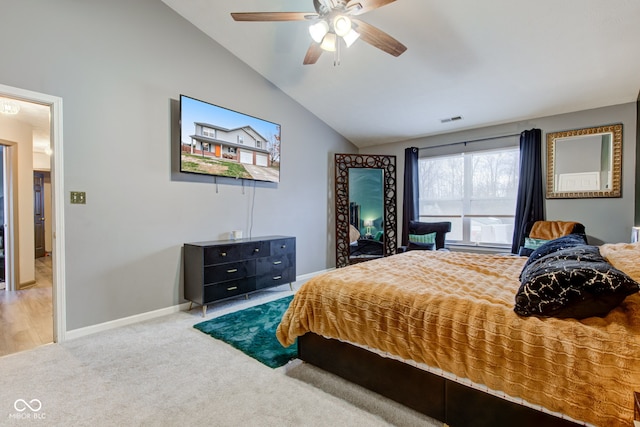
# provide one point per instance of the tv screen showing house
(222, 142)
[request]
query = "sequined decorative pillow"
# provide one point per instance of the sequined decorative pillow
(576, 282)
(564, 242)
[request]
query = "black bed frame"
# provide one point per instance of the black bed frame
(445, 400)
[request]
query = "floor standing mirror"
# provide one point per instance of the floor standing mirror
(365, 194)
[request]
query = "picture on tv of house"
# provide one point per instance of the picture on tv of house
(221, 142)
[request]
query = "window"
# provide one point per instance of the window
(240, 139)
(209, 132)
(475, 191)
(258, 144)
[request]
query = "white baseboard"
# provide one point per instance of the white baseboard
(112, 324)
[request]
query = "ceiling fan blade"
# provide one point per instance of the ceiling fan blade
(379, 38)
(273, 16)
(313, 53)
(317, 5)
(358, 7)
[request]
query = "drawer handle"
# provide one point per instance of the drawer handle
(223, 254)
(256, 250)
(277, 278)
(233, 270)
(283, 247)
(233, 288)
(277, 262)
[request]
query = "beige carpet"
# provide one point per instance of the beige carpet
(166, 373)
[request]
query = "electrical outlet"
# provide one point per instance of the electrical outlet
(78, 197)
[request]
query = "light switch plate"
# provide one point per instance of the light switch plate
(78, 197)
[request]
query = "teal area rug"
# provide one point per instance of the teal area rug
(253, 331)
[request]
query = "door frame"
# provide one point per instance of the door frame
(8, 148)
(57, 201)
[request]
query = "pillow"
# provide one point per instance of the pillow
(531, 243)
(574, 282)
(423, 238)
(568, 241)
(413, 246)
(378, 236)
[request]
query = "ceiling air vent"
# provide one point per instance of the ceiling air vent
(451, 119)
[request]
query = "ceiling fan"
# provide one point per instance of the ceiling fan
(334, 23)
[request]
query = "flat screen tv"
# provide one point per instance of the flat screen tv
(221, 142)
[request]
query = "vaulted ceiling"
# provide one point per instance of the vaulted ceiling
(489, 62)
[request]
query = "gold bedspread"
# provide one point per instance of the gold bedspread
(454, 311)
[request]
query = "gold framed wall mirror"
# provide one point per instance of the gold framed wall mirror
(365, 195)
(585, 163)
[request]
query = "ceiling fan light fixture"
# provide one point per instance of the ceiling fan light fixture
(331, 24)
(329, 42)
(351, 37)
(318, 31)
(342, 25)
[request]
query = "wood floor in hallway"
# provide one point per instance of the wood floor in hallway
(26, 316)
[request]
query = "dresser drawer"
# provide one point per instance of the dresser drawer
(234, 252)
(229, 271)
(274, 264)
(229, 289)
(283, 246)
(274, 279)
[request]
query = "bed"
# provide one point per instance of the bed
(437, 331)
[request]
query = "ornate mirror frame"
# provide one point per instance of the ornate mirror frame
(344, 162)
(616, 162)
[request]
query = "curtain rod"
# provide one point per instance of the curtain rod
(469, 142)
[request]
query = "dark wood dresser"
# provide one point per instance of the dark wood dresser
(222, 269)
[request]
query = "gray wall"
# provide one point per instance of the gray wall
(119, 67)
(606, 220)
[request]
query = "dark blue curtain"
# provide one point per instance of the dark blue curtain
(410, 208)
(530, 200)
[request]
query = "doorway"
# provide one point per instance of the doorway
(26, 306)
(54, 257)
